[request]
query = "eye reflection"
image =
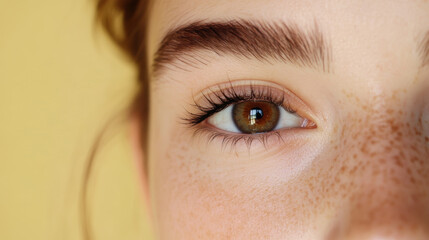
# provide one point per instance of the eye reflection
(255, 114)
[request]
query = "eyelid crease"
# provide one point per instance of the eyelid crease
(238, 83)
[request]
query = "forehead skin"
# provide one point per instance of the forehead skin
(363, 175)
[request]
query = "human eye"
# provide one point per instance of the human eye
(253, 116)
(247, 111)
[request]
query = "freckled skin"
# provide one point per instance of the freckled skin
(362, 174)
(383, 180)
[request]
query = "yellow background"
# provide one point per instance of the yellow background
(60, 82)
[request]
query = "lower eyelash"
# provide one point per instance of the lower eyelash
(231, 140)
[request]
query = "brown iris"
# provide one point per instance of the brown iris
(255, 117)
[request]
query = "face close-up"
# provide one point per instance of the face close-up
(284, 119)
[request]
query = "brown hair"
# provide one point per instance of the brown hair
(125, 23)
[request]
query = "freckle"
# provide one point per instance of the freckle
(376, 171)
(353, 170)
(311, 187)
(426, 139)
(337, 179)
(394, 128)
(395, 180)
(398, 162)
(401, 154)
(343, 133)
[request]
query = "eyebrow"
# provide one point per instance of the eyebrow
(243, 38)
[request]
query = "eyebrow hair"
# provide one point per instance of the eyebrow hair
(424, 50)
(243, 38)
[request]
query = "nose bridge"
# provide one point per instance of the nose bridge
(391, 185)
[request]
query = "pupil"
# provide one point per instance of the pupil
(255, 114)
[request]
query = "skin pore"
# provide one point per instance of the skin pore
(362, 173)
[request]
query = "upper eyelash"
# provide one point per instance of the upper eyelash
(224, 97)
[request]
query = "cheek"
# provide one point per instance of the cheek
(194, 202)
(378, 174)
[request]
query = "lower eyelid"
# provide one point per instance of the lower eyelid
(286, 139)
